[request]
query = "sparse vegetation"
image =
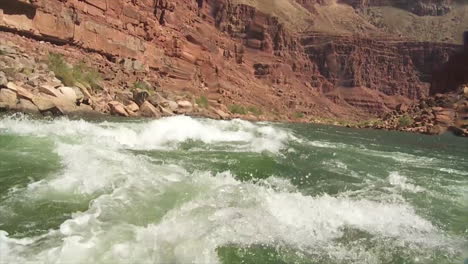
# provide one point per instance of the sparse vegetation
(27, 71)
(141, 85)
(72, 74)
(298, 115)
(2, 53)
(405, 120)
(202, 101)
(368, 123)
(254, 110)
(237, 109)
(242, 110)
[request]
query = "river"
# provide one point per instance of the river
(186, 190)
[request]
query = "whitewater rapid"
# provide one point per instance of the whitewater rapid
(143, 209)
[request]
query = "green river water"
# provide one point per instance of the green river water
(185, 190)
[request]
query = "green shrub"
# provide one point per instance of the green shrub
(202, 101)
(254, 110)
(71, 75)
(141, 85)
(62, 70)
(298, 115)
(2, 53)
(369, 122)
(27, 71)
(237, 109)
(87, 75)
(405, 120)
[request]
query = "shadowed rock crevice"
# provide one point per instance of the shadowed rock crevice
(14, 7)
(451, 75)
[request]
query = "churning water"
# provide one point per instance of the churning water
(185, 190)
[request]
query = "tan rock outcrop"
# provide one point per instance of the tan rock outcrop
(8, 99)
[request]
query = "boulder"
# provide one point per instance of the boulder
(140, 96)
(49, 90)
(83, 108)
(43, 103)
(437, 109)
(221, 113)
(79, 94)
(185, 104)
(165, 111)
(170, 105)
(27, 106)
(84, 90)
(68, 93)
(117, 108)
(20, 91)
(157, 99)
(436, 130)
(3, 79)
(34, 80)
(444, 118)
(124, 96)
(64, 106)
(402, 108)
(149, 110)
(8, 98)
(132, 65)
(132, 107)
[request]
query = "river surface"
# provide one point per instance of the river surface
(185, 190)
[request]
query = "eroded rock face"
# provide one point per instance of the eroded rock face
(258, 30)
(418, 7)
(393, 68)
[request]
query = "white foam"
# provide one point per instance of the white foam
(165, 133)
(401, 182)
(454, 171)
(326, 144)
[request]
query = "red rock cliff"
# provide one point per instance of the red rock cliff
(234, 53)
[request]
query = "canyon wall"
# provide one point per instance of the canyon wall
(235, 54)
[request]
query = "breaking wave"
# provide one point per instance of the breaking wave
(143, 212)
